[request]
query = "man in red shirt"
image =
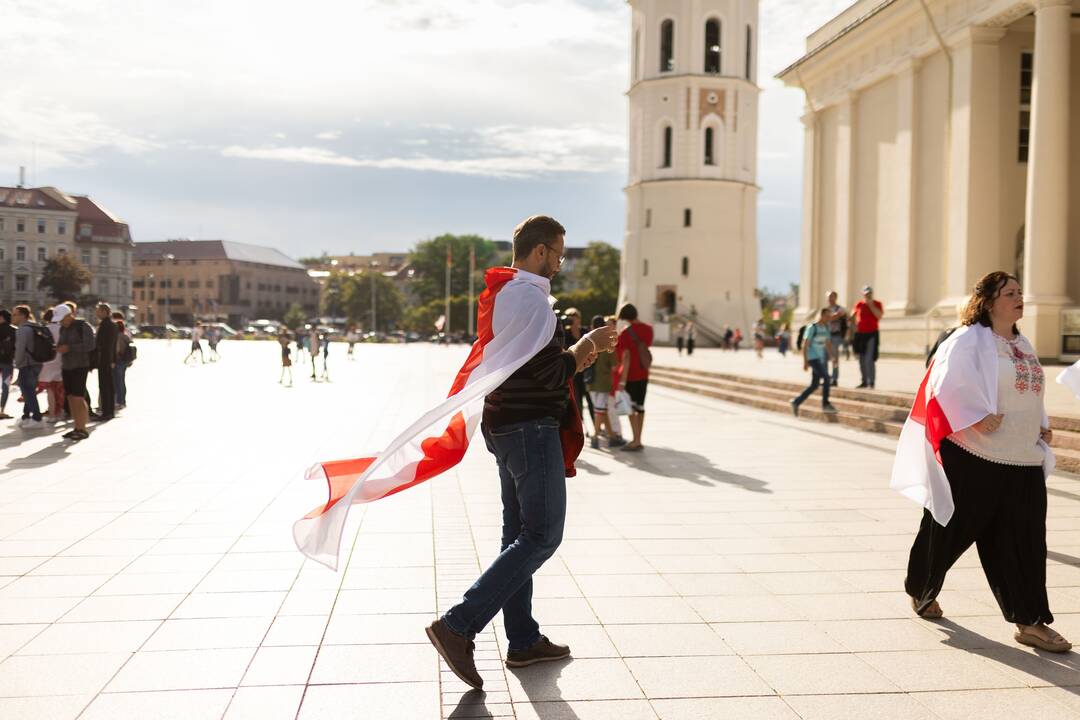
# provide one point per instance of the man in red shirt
(866, 314)
(634, 359)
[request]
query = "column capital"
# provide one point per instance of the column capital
(809, 119)
(1044, 4)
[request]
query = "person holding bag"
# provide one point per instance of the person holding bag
(975, 454)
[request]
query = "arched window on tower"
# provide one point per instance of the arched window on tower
(749, 51)
(712, 46)
(710, 146)
(686, 267)
(668, 137)
(667, 46)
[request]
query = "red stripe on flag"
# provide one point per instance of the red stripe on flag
(927, 412)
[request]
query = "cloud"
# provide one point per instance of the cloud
(328, 135)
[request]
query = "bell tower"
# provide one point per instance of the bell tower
(691, 199)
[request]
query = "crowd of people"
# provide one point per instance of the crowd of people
(311, 345)
(54, 356)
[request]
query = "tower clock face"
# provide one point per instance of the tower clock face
(713, 98)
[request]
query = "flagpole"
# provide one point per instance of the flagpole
(449, 263)
(472, 272)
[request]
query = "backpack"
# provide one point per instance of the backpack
(7, 345)
(42, 348)
(644, 354)
(131, 353)
(802, 336)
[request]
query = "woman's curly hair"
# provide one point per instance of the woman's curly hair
(987, 290)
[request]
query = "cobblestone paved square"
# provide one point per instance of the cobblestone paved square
(745, 565)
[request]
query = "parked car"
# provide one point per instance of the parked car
(158, 331)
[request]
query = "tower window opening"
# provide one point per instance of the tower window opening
(667, 46)
(710, 157)
(712, 46)
(686, 267)
(645, 269)
(648, 217)
(668, 136)
(686, 219)
(749, 50)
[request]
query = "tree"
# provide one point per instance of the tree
(332, 302)
(295, 317)
(64, 277)
(599, 269)
(356, 300)
(315, 261)
(589, 302)
(429, 260)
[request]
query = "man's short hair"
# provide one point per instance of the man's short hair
(24, 310)
(537, 230)
(104, 306)
(117, 315)
(628, 312)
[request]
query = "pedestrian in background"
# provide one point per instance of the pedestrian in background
(600, 391)
(105, 357)
(759, 339)
(123, 360)
(867, 313)
(76, 349)
(635, 359)
(50, 379)
(783, 340)
(574, 333)
(838, 327)
(313, 348)
(29, 368)
(817, 349)
(196, 344)
(286, 361)
(7, 359)
(680, 338)
(691, 338)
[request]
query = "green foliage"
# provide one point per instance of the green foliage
(421, 318)
(428, 258)
(356, 300)
(314, 261)
(295, 317)
(63, 277)
(599, 269)
(332, 302)
(589, 302)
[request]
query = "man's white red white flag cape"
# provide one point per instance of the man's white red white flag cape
(514, 322)
(958, 390)
(1070, 378)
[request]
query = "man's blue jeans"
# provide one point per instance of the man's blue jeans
(119, 373)
(866, 362)
(28, 377)
(6, 372)
(837, 341)
(533, 475)
(820, 370)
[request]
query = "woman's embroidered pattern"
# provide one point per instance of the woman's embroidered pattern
(1029, 373)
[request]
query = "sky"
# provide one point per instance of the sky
(359, 125)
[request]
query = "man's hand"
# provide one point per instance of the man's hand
(605, 338)
(62, 348)
(989, 424)
(1046, 435)
(805, 365)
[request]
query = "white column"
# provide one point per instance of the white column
(972, 242)
(809, 284)
(1048, 179)
(896, 257)
(845, 200)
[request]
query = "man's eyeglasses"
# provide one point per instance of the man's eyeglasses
(551, 247)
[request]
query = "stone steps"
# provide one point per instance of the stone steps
(872, 410)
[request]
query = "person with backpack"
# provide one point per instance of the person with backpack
(125, 355)
(76, 348)
(7, 359)
(635, 359)
(838, 327)
(817, 350)
(50, 378)
(29, 355)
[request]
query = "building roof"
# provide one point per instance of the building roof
(47, 198)
(103, 222)
(839, 27)
(214, 250)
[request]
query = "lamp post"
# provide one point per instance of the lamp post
(374, 264)
(168, 300)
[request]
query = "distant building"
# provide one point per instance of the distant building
(180, 280)
(40, 223)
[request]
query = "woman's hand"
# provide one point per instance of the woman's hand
(1046, 435)
(989, 424)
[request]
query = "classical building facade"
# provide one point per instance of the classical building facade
(179, 281)
(39, 223)
(691, 233)
(938, 149)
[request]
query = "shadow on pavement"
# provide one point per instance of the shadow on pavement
(688, 466)
(1057, 669)
(588, 467)
(541, 683)
(1062, 557)
(60, 450)
(472, 704)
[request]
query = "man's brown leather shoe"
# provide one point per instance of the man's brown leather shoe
(457, 651)
(543, 650)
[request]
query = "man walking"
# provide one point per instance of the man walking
(635, 358)
(867, 312)
(7, 359)
(76, 349)
(105, 361)
(837, 319)
(521, 423)
(28, 367)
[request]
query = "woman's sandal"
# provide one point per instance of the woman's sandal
(932, 611)
(1058, 645)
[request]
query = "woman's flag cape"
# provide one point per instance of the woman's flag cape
(1070, 378)
(959, 390)
(514, 322)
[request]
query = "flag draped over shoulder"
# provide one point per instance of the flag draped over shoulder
(1070, 378)
(514, 322)
(958, 390)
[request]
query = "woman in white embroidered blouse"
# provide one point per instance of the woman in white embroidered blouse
(995, 473)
